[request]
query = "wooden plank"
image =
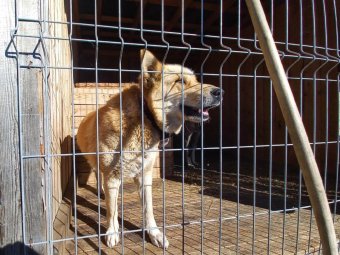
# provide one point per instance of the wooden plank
(33, 169)
(31, 82)
(196, 4)
(138, 16)
(130, 21)
(60, 100)
(216, 13)
(99, 10)
(104, 85)
(61, 224)
(178, 14)
(86, 98)
(10, 208)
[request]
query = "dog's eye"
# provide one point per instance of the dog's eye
(179, 81)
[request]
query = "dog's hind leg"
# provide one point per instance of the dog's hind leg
(156, 236)
(111, 187)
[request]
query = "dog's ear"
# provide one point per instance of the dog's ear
(151, 66)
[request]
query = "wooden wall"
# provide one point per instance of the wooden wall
(35, 111)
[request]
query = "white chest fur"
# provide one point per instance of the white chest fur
(134, 163)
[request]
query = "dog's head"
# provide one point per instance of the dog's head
(180, 91)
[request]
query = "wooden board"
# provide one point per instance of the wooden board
(60, 115)
(10, 209)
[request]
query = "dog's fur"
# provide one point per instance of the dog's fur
(126, 136)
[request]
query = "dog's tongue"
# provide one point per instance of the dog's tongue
(205, 113)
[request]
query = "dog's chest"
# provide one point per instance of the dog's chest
(135, 163)
(134, 158)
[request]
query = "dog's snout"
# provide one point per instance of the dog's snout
(217, 92)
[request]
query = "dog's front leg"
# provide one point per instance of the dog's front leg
(100, 183)
(111, 187)
(156, 236)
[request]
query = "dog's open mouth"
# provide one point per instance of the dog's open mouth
(196, 114)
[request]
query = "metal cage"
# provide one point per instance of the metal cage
(241, 193)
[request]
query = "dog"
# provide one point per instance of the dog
(163, 91)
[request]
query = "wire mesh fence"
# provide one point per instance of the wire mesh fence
(228, 185)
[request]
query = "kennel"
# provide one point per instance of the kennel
(63, 59)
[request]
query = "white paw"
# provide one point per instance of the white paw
(112, 237)
(156, 237)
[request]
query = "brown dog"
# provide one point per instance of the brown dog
(162, 112)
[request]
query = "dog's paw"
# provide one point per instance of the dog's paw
(112, 237)
(156, 237)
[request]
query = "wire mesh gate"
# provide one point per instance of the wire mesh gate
(245, 193)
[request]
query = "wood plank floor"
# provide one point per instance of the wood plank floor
(282, 233)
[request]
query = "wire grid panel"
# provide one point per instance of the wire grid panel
(245, 194)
